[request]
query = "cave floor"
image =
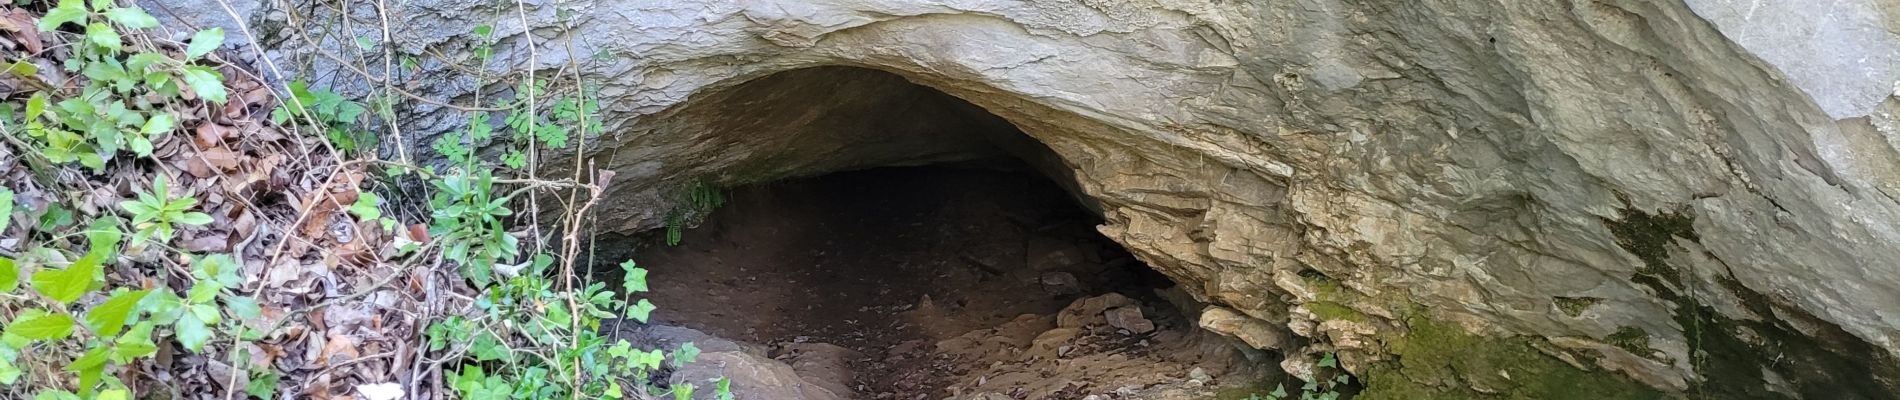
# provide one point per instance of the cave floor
(933, 282)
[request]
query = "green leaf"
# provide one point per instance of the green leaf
(194, 218)
(203, 292)
(648, 359)
(204, 42)
(67, 285)
(160, 123)
(192, 332)
(687, 353)
(92, 359)
(103, 36)
(9, 275)
(109, 317)
(636, 279)
(131, 17)
(366, 208)
(9, 374)
(683, 391)
(264, 385)
(205, 82)
(42, 327)
(244, 307)
(54, 394)
(35, 106)
(640, 311)
(136, 343)
(67, 11)
(6, 207)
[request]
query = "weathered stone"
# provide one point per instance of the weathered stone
(1089, 311)
(1249, 330)
(1060, 283)
(1679, 162)
(1128, 318)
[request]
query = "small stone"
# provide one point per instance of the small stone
(1060, 283)
(1130, 319)
(1199, 374)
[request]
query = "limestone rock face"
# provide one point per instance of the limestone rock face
(1626, 182)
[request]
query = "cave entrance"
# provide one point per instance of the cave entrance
(895, 242)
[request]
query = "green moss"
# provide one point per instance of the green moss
(1327, 310)
(1438, 360)
(1648, 237)
(1632, 339)
(1731, 354)
(1574, 306)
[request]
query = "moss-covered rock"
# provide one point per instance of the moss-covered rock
(1439, 360)
(1734, 356)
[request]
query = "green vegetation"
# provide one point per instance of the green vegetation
(100, 292)
(1329, 381)
(700, 198)
(1438, 360)
(1574, 306)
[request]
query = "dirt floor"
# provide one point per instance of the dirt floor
(933, 282)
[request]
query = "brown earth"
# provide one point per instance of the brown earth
(936, 282)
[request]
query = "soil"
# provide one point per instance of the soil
(936, 282)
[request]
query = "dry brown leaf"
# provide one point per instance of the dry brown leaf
(210, 135)
(224, 159)
(212, 242)
(339, 348)
(419, 233)
(24, 27)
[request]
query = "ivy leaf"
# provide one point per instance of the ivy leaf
(42, 327)
(131, 17)
(67, 11)
(192, 332)
(687, 353)
(204, 42)
(205, 82)
(66, 285)
(648, 359)
(104, 36)
(640, 311)
(683, 391)
(636, 279)
(109, 317)
(365, 207)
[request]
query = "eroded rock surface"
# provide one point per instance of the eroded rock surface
(1623, 183)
